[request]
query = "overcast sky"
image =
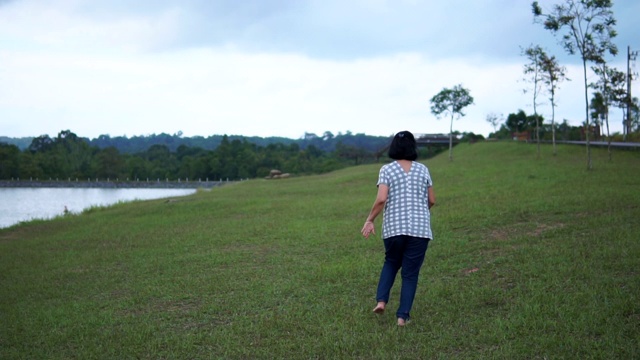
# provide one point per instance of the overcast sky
(274, 67)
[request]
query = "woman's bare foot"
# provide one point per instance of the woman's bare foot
(402, 322)
(379, 309)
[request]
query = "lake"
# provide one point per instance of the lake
(23, 204)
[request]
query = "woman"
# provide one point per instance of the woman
(405, 193)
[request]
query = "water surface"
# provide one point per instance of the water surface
(23, 204)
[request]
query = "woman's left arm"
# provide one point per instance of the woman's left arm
(431, 197)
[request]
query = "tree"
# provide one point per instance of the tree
(162, 163)
(72, 156)
(590, 30)
(29, 166)
(598, 108)
(494, 120)
(328, 135)
(137, 168)
(41, 144)
(9, 161)
(109, 163)
(552, 74)
(520, 121)
(635, 114)
(611, 87)
(534, 70)
(451, 102)
(350, 152)
(618, 92)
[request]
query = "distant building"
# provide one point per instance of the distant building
(521, 136)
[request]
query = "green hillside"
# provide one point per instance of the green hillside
(532, 259)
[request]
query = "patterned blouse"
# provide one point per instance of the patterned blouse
(406, 211)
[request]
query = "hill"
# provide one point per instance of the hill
(531, 259)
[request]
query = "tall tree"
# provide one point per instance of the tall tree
(589, 28)
(451, 102)
(634, 116)
(618, 91)
(611, 87)
(534, 72)
(552, 75)
(494, 119)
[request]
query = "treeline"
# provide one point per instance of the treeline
(521, 126)
(173, 157)
(68, 156)
(136, 144)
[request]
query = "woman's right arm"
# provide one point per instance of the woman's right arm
(378, 205)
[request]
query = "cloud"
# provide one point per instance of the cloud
(60, 27)
(262, 68)
(202, 92)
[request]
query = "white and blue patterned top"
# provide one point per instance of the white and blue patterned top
(406, 211)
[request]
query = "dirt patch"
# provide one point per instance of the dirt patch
(542, 228)
(521, 229)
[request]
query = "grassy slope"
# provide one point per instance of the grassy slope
(532, 259)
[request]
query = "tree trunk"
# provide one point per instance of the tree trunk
(586, 102)
(451, 140)
(553, 122)
(606, 112)
(608, 137)
(537, 131)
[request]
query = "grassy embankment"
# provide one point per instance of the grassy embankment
(532, 259)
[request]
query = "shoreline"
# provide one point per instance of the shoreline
(108, 184)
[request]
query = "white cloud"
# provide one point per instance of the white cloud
(203, 92)
(115, 73)
(60, 26)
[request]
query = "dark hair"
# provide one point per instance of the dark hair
(403, 147)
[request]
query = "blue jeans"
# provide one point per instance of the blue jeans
(406, 252)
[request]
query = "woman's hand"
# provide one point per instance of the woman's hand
(368, 229)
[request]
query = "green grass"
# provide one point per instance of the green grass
(532, 259)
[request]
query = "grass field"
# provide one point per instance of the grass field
(532, 259)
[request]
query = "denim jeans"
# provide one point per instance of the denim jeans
(406, 252)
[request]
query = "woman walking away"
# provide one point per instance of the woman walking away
(405, 193)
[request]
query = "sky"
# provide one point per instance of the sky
(278, 67)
